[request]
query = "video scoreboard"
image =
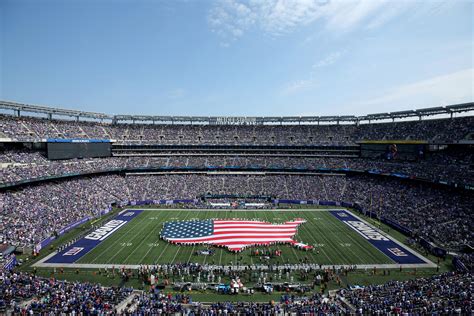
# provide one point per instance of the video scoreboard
(78, 148)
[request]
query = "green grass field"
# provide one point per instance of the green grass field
(138, 242)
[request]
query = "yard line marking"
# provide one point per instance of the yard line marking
(144, 239)
(341, 241)
(151, 248)
(292, 248)
(127, 229)
(179, 247)
(251, 257)
(220, 257)
(328, 241)
(222, 250)
(370, 255)
(303, 233)
(172, 261)
(167, 244)
(194, 245)
(164, 250)
(133, 238)
(191, 253)
(316, 241)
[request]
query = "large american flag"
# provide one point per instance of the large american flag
(235, 234)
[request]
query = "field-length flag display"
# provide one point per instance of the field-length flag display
(235, 234)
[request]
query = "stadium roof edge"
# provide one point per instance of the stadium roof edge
(18, 108)
(7, 105)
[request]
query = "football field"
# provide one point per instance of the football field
(137, 241)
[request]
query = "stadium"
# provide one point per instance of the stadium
(153, 214)
(121, 181)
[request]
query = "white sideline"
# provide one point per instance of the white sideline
(238, 268)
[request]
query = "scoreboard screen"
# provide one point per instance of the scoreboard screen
(69, 149)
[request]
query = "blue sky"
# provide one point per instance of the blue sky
(244, 58)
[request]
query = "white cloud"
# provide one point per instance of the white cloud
(305, 84)
(388, 13)
(451, 88)
(298, 86)
(345, 16)
(328, 60)
(282, 16)
(230, 19)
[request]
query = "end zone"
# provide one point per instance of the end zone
(78, 249)
(385, 243)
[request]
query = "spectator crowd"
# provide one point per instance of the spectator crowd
(27, 166)
(34, 129)
(24, 293)
(33, 213)
(446, 294)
